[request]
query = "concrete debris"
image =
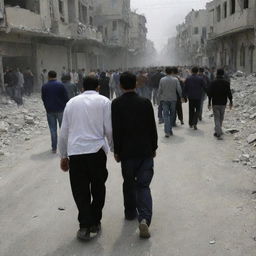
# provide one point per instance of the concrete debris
(61, 209)
(212, 242)
(251, 138)
(20, 123)
(241, 120)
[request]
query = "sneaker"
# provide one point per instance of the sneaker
(83, 234)
(195, 127)
(167, 135)
(215, 134)
(54, 151)
(182, 123)
(144, 230)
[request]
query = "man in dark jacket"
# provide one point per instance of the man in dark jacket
(194, 88)
(219, 91)
(135, 145)
(54, 96)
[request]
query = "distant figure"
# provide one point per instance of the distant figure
(219, 91)
(104, 85)
(194, 89)
(10, 80)
(64, 72)
(71, 89)
(28, 82)
(44, 77)
(55, 97)
(168, 89)
(135, 145)
(18, 88)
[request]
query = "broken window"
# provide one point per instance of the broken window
(196, 31)
(32, 5)
(114, 25)
(61, 10)
(91, 20)
(246, 4)
(83, 13)
(242, 56)
(218, 11)
(232, 6)
(225, 10)
(204, 32)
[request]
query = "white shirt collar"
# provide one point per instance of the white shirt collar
(90, 92)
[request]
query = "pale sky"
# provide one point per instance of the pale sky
(163, 16)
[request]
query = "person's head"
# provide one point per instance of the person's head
(44, 70)
(52, 75)
(175, 70)
(66, 78)
(128, 81)
(103, 75)
(169, 70)
(64, 68)
(220, 72)
(194, 70)
(201, 70)
(91, 83)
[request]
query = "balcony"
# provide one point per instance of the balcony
(24, 20)
(80, 31)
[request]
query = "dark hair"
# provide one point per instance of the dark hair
(52, 74)
(194, 70)
(66, 78)
(175, 70)
(128, 81)
(90, 83)
(169, 70)
(201, 70)
(220, 72)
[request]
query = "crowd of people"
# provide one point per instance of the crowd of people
(114, 110)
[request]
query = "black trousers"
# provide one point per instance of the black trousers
(179, 110)
(194, 110)
(88, 174)
(137, 175)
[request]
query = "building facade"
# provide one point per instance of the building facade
(231, 25)
(191, 39)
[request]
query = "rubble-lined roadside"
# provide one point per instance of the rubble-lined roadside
(20, 124)
(241, 121)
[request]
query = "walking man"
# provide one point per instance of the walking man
(219, 91)
(168, 89)
(83, 149)
(194, 88)
(54, 96)
(135, 145)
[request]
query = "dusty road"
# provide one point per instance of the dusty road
(199, 196)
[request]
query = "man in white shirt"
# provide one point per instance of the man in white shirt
(82, 146)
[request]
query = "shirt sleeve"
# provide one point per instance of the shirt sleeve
(63, 138)
(108, 125)
(230, 97)
(116, 128)
(153, 129)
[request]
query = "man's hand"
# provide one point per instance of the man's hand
(64, 164)
(230, 106)
(117, 158)
(210, 107)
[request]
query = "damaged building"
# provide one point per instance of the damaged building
(77, 34)
(231, 40)
(223, 37)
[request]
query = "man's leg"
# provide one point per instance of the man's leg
(60, 117)
(99, 175)
(217, 120)
(167, 117)
(129, 189)
(52, 122)
(179, 111)
(144, 177)
(197, 106)
(160, 112)
(200, 115)
(80, 185)
(191, 112)
(172, 113)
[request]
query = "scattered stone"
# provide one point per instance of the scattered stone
(245, 157)
(29, 120)
(1, 153)
(212, 242)
(4, 127)
(251, 138)
(236, 160)
(232, 130)
(61, 209)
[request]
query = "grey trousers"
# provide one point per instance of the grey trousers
(218, 113)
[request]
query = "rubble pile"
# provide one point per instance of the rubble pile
(241, 122)
(19, 124)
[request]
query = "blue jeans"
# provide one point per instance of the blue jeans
(137, 175)
(169, 112)
(52, 119)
